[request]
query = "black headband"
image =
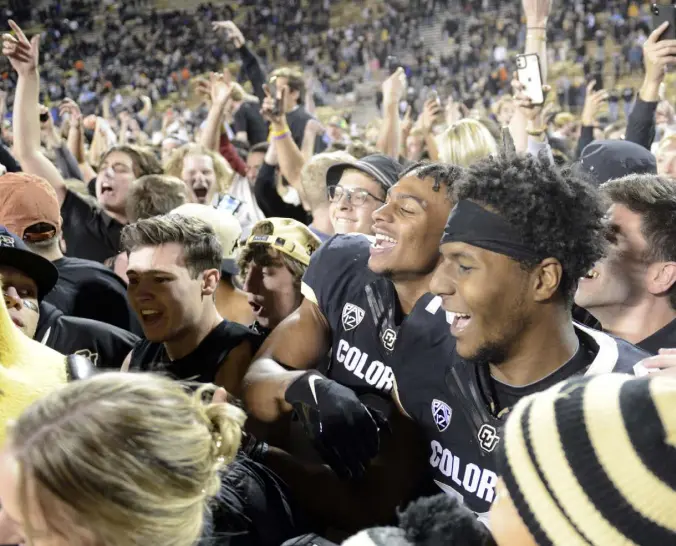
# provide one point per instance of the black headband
(469, 223)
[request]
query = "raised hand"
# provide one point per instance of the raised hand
(219, 88)
(394, 87)
(524, 103)
(234, 34)
(431, 114)
(272, 108)
(657, 54)
(23, 54)
(70, 107)
(592, 104)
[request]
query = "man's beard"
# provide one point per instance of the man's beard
(490, 353)
(496, 352)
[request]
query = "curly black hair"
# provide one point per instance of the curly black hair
(441, 173)
(557, 212)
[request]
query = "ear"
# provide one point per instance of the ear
(546, 279)
(210, 279)
(661, 277)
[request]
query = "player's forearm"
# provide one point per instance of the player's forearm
(264, 388)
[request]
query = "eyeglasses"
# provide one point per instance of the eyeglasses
(27, 303)
(357, 196)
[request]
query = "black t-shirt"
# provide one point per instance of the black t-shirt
(202, 364)
(297, 120)
(105, 345)
(87, 289)
(454, 401)
(506, 396)
(665, 338)
(249, 120)
(253, 508)
(363, 311)
(89, 232)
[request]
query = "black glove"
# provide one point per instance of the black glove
(343, 430)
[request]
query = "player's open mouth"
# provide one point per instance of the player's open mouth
(106, 189)
(591, 274)
(460, 323)
(384, 242)
(256, 307)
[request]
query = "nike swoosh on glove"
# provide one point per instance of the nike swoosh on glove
(342, 429)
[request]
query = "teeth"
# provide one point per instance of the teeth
(384, 238)
(461, 316)
(591, 274)
(148, 312)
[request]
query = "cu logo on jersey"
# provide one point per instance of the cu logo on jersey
(352, 316)
(389, 338)
(442, 414)
(488, 438)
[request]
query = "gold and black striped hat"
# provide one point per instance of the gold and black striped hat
(592, 461)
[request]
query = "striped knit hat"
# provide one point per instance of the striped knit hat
(593, 461)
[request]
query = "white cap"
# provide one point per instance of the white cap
(225, 225)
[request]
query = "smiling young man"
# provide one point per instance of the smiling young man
(360, 293)
(357, 190)
(632, 290)
(273, 261)
(520, 237)
(174, 269)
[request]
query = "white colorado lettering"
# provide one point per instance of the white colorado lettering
(352, 359)
(473, 479)
(343, 347)
(375, 373)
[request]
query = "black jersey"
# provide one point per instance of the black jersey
(363, 311)
(455, 404)
(202, 364)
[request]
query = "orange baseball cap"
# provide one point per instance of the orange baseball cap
(26, 200)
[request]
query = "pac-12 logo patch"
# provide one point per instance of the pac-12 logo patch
(488, 438)
(389, 338)
(441, 414)
(352, 316)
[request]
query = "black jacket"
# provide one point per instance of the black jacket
(105, 345)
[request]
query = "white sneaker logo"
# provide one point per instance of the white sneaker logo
(312, 382)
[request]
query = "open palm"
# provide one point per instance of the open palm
(22, 53)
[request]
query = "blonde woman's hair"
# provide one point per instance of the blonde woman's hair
(466, 142)
(224, 173)
(126, 459)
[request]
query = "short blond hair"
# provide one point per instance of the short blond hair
(224, 173)
(126, 458)
(466, 142)
(313, 176)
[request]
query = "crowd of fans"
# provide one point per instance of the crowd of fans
(235, 313)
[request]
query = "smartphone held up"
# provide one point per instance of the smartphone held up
(530, 77)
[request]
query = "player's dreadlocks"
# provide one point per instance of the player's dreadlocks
(440, 173)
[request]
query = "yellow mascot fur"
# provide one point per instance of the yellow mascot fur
(28, 370)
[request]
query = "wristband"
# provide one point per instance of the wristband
(280, 133)
(536, 132)
(281, 136)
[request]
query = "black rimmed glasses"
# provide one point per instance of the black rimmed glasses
(355, 196)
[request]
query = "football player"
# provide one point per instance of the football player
(360, 293)
(521, 235)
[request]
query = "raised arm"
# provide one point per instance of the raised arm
(24, 57)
